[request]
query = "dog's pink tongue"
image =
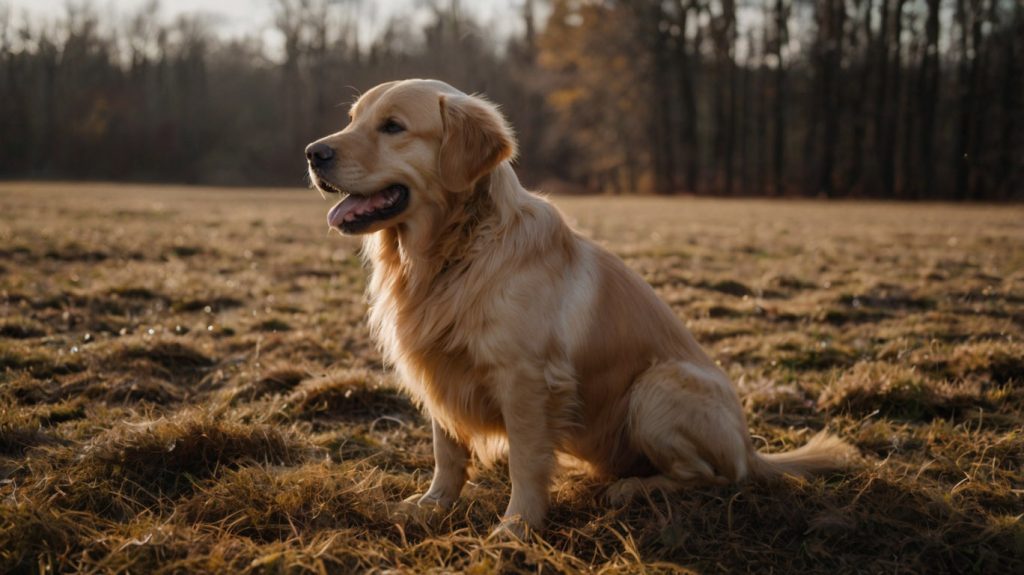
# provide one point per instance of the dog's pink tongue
(349, 205)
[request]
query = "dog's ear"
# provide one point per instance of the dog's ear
(476, 139)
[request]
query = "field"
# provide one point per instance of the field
(188, 386)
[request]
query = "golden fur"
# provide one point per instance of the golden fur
(503, 322)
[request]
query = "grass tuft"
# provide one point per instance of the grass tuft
(126, 389)
(279, 379)
(21, 328)
(275, 504)
(40, 362)
(348, 394)
(272, 325)
(210, 304)
(166, 358)
(730, 287)
(897, 391)
(41, 538)
(137, 464)
(999, 361)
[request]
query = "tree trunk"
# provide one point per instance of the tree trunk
(781, 38)
(729, 15)
(832, 103)
(980, 183)
(857, 107)
(891, 118)
(689, 149)
(928, 96)
(761, 120)
(965, 104)
(1012, 145)
(661, 152)
(881, 95)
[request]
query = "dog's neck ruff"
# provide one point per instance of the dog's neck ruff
(470, 219)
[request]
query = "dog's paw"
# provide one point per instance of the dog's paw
(511, 529)
(623, 491)
(431, 499)
(420, 509)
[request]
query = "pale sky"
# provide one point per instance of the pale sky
(234, 18)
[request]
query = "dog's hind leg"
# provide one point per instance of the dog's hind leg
(687, 420)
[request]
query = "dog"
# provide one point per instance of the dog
(504, 323)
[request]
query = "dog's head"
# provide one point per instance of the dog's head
(411, 148)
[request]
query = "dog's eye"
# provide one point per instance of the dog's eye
(390, 126)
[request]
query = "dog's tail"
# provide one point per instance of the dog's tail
(824, 452)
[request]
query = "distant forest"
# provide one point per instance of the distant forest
(903, 99)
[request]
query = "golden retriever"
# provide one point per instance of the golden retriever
(503, 322)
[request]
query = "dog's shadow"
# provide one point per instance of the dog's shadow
(871, 521)
(879, 519)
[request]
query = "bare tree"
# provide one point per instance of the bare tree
(862, 39)
(623, 96)
(687, 60)
(928, 89)
(780, 38)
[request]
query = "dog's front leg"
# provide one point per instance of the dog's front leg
(531, 457)
(450, 461)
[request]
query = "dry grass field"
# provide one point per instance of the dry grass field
(187, 385)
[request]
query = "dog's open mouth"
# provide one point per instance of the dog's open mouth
(356, 212)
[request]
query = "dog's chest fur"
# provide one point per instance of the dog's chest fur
(445, 344)
(448, 372)
(471, 327)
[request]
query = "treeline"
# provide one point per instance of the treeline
(886, 98)
(912, 99)
(135, 97)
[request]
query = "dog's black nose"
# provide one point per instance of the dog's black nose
(319, 154)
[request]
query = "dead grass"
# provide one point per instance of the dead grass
(136, 465)
(170, 359)
(351, 395)
(276, 380)
(896, 391)
(187, 385)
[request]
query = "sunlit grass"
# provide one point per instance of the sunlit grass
(188, 385)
